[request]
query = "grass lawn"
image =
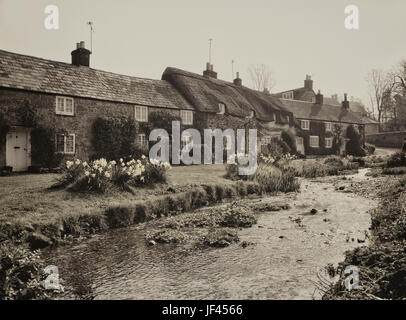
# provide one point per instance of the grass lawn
(25, 198)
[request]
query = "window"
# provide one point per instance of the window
(328, 126)
(266, 140)
(64, 106)
(186, 116)
(305, 124)
(142, 140)
(141, 114)
(287, 95)
(328, 142)
(186, 139)
(314, 141)
(65, 143)
(222, 108)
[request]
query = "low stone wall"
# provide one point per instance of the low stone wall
(387, 139)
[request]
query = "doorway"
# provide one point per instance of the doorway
(18, 148)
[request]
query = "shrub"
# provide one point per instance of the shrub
(334, 161)
(222, 237)
(396, 160)
(354, 145)
(235, 216)
(43, 148)
(114, 138)
(22, 274)
(155, 172)
(166, 236)
(273, 179)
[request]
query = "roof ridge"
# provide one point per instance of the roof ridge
(73, 66)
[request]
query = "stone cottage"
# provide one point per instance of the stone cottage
(321, 120)
(71, 96)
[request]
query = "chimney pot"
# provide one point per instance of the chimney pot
(319, 98)
(80, 56)
(237, 81)
(209, 72)
(308, 83)
(346, 103)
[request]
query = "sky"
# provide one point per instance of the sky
(293, 37)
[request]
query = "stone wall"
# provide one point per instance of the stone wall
(86, 111)
(387, 139)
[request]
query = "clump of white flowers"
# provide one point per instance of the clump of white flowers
(100, 174)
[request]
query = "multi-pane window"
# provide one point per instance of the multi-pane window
(64, 106)
(329, 126)
(328, 142)
(141, 113)
(186, 116)
(314, 141)
(305, 124)
(65, 143)
(142, 140)
(287, 95)
(186, 139)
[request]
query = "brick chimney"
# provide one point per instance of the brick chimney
(209, 72)
(346, 103)
(238, 81)
(308, 83)
(81, 56)
(319, 98)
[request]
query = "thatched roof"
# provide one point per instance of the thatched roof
(36, 74)
(205, 94)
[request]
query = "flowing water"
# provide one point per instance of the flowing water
(291, 249)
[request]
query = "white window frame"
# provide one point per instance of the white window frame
(314, 145)
(186, 116)
(63, 110)
(222, 108)
(329, 144)
(266, 140)
(329, 126)
(145, 141)
(64, 143)
(185, 140)
(141, 118)
(287, 95)
(305, 124)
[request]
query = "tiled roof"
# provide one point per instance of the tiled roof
(206, 93)
(36, 74)
(312, 111)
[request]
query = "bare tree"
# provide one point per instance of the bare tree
(261, 77)
(381, 85)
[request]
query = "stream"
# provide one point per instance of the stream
(289, 253)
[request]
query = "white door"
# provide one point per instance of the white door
(300, 145)
(18, 149)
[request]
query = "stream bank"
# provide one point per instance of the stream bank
(289, 251)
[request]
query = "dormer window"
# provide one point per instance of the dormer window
(222, 108)
(252, 114)
(64, 106)
(287, 95)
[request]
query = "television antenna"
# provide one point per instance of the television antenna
(90, 24)
(210, 41)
